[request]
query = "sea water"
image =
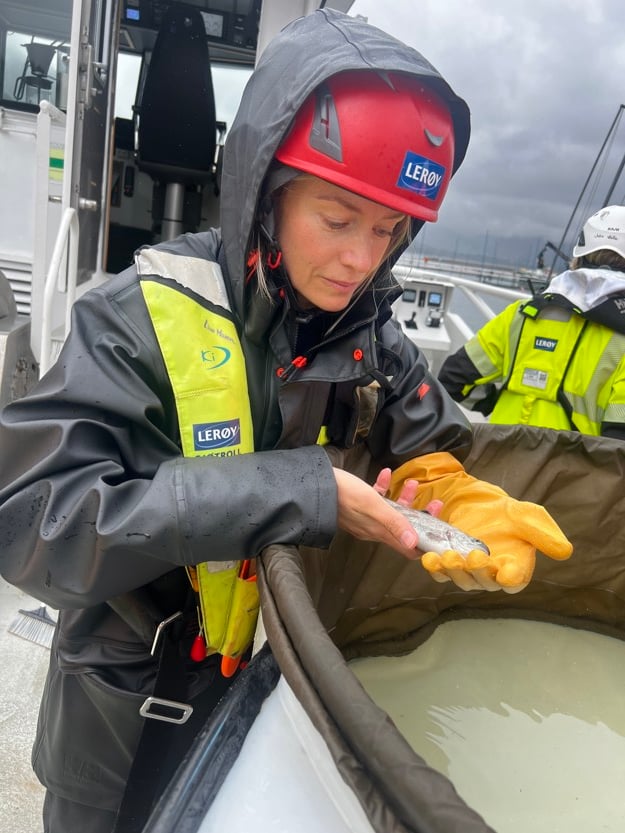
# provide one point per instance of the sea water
(526, 719)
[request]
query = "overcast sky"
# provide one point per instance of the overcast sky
(544, 80)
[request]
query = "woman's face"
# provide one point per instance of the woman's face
(332, 241)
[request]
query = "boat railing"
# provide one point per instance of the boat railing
(59, 281)
(477, 293)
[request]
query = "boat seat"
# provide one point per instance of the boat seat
(176, 128)
(35, 72)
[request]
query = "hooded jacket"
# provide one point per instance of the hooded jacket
(558, 360)
(97, 503)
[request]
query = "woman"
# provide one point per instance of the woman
(248, 350)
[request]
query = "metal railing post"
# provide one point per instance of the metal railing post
(66, 244)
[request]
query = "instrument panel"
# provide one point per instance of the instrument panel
(231, 26)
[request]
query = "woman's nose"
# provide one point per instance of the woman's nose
(359, 254)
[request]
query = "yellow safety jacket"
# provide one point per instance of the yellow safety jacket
(206, 367)
(559, 369)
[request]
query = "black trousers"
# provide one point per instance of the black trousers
(61, 815)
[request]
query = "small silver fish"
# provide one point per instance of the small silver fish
(436, 535)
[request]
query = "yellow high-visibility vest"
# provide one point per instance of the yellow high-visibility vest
(560, 370)
(206, 367)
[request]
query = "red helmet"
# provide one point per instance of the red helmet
(385, 136)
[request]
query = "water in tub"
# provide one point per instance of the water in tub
(525, 718)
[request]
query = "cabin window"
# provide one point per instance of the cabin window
(34, 50)
(35, 70)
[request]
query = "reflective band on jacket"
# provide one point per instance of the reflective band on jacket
(206, 368)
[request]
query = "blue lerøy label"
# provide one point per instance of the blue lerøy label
(209, 435)
(548, 344)
(421, 175)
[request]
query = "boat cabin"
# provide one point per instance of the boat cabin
(113, 115)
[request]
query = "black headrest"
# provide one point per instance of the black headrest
(177, 123)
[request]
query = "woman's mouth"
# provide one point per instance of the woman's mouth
(342, 286)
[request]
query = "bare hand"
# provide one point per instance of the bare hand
(408, 492)
(363, 514)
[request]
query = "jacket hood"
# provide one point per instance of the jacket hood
(289, 69)
(596, 294)
(586, 289)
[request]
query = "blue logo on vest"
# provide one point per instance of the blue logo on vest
(215, 356)
(210, 435)
(548, 344)
(421, 175)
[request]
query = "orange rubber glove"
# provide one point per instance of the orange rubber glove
(513, 530)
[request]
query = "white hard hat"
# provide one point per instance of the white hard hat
(604, 230)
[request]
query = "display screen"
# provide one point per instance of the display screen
(214, 24)
(133, 14)
(409, 296)
(435, 299)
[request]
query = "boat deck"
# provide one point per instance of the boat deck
(24, 666)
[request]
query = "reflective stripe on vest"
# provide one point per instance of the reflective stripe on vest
(206, 369)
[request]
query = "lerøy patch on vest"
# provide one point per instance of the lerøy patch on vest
(546, 344)
(212, 436)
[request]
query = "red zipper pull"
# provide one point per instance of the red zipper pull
(198, 649)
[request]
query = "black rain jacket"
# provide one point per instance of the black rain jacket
(97, 503)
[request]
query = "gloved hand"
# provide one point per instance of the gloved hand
(513, 530)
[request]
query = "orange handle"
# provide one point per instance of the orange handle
(229, 665)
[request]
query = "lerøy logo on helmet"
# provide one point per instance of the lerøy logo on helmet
(421, 175)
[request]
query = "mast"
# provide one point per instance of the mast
(609, 134)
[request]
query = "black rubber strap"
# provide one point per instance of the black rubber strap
(560, 395)
(150, 763)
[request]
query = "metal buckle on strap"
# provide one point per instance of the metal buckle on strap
(159, 708)
(168, 710)
(160, 628)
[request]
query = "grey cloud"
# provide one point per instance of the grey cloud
(543, 79)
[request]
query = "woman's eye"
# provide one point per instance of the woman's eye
(384, 232)
(335, 225)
